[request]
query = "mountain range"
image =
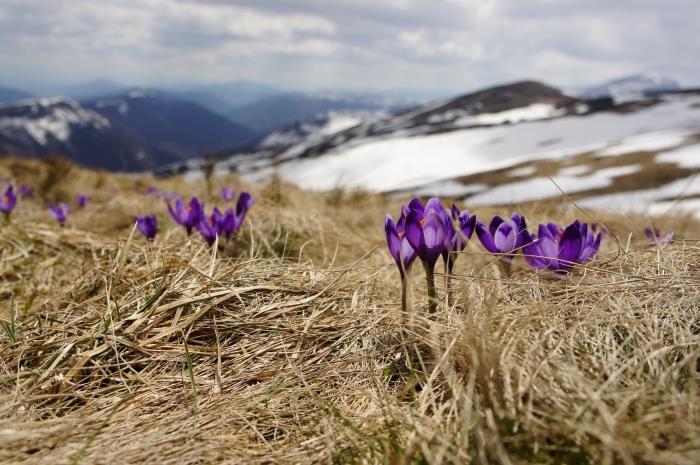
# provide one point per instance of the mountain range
(158, 127)
(503, 145)
(273, 112)
(146, 128)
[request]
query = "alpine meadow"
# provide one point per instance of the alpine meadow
(288, 343)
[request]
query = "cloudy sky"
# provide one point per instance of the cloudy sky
(429, 45)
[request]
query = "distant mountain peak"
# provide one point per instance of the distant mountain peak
(632, 87)
(59, 125)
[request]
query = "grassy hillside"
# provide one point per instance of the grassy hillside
(288, 344)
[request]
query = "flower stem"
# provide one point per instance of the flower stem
(404, 294)
(430, 281)
(504, 268)
(448, 282)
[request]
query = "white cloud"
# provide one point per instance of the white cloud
(438, 44)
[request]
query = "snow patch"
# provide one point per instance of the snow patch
(645, 143)
(685, 157)
(641, 200)
(688, 206)
(315, 129)
(522, 172)
(447, 188)
(577, 170)
(535, 111)
(542, 188)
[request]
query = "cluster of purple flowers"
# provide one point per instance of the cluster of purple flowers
(218, 223)
(60, 211)
(191, 216)
(430, 231)
(427, 232)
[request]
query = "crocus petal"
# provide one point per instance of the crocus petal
(466, 224)
(549, 247)
(229, 222)
(570, 246)
(407, 253)
(245, 203)
(175, 213)
(550, 231)
(416, 204)
(591, 248)
(495, 223)
(434, 231)
(485, 238)
(533, 254)
(414, 232)
(520, 227)
(392, 239)
(504, 238)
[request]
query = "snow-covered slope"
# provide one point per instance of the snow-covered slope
(45, 120)
(314, 129)
(505, 145)
(400, 161)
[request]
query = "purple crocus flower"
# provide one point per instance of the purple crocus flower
(59, 212)
(427, 231)
(208, 230)
(226, 194)
(243, 205)
(25, 190)
(461, 230)
(154, 191)
(225, 222)
(230, 221)
(655, 236)
(188, 216)
(503, 237)
(8, 200)
(148, 225)
(559, 250)
(82, 200)
(400, 249)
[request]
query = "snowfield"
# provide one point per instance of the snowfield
(401, 161)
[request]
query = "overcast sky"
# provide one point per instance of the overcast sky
(429, 45)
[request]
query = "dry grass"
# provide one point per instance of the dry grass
(289, 346)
